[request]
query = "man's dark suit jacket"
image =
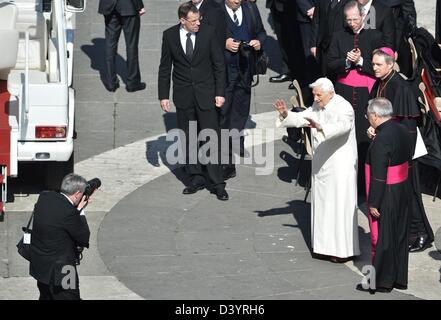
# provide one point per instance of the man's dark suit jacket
(211, 13)
(385, 23)
(202, 78)
(57, 230)
(326, 22)
(124, 7)
(256, 31)
(279, 5)
(403, 11)
(302, 6)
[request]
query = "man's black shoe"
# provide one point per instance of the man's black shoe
(280, 78)
(112, 89)
(139, 87)
(420, 244)
(228, 173)
(359, 287)
(222, 195)
(193, 188)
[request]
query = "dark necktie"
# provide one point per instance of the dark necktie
(334, 3)
(189, 46)
(235, 19)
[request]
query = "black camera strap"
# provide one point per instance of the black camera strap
(26, 229)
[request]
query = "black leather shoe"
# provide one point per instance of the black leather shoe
(359, 287)
(114, 88)
(420, 244)
(139, 87)
(280, 78)
(193, 189)
(222, 195)
(228, 173)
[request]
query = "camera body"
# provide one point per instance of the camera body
(91, 186)
(242, 43)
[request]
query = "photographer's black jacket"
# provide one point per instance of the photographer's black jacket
(57, 230)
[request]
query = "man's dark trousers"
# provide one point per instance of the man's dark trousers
(203, 119)
(115, 22)
(52, 292)
(235, 111)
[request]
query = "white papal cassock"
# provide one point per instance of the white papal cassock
(334, 223)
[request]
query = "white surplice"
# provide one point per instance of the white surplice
(334, 223)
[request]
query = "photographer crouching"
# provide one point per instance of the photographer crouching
(60, 232)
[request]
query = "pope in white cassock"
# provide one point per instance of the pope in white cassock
(334, 224)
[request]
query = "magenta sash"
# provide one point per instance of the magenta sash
(354, 79)
(395, 175)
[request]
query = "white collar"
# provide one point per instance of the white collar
(68, 199)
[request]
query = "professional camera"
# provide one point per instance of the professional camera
(91, 186)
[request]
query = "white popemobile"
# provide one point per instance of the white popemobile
(36, 95)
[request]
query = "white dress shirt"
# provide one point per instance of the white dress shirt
(238, 14)
(199, 4)
(367, 7)
(183, 36)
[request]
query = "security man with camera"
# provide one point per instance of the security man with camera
(60, 232)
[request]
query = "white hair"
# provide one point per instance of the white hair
(324, 83)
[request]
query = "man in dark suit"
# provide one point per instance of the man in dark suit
(125, 15)
(379, 17)
(199, 80)
(245, 35)
(211, 13)
(59, 228)
(306, 70)
(280, 15)
(328, 19)
(405, 14)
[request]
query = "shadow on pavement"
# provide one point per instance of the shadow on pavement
(96, 54)
(301, 212)
(157, 149)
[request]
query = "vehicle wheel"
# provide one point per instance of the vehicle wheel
(56, 171)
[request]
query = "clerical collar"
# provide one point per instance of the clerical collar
(355, 32)
(381, 91)
(389, 76)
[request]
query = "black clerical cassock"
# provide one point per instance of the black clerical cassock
(406, 110)
(388, 189)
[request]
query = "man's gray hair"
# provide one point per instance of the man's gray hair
(73, 183)
(324, 83)
(381, 107)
